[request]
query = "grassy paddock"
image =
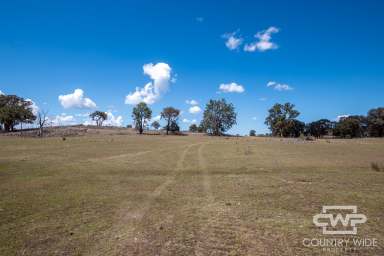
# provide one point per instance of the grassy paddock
(193, 195)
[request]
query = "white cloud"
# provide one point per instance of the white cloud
(264, 41)
(89, 122)
(34, 107)
(338, 118)
(113, 120)
(254, 118)
(192, 102)
(194, 109)
(262, 99)
(156, 118)
(62, 119)
(160, 74)
(76, 100)
(1, 93)
(83, 115)
(278, 86)
(231, 87)
(233, 41)
(199, 19)
(187, 121)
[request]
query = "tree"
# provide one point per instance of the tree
(99, 117)
(15, 110)
(201, 128)
(171, 116)
(141, 114)
(375, 119)
(174, 127)
(193, 128)
(349, 127)
(155, 125)
(41, 121)
(219, 116)
(319, 128)
(252, 133)
(280, 118)
(293, 128)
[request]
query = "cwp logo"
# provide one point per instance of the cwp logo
(328, 219)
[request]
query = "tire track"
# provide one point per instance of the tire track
(128, 237)
(222, 231)
(121, 156)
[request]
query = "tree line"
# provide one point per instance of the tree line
(219, 116)
(282, 121)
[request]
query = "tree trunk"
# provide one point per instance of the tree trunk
(7, 127)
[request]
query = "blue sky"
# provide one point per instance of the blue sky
(328, 54)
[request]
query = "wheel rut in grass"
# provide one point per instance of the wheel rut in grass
(222, 232)
(124, 237)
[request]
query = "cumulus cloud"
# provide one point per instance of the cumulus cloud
(232, 40)
(231, 87)
(160, 74)
(264, 41)
(187, 121)
(278, 86)
(194, 109)
(34, 107)
(83, 115)
(192, 102)
(62, 119)
(156, 118)
(76, 100)
(1, 93)
(113, 120)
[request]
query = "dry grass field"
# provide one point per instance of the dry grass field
(182, 195)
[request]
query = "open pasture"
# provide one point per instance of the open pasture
(182, 195)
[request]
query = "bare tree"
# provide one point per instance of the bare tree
(41, 121)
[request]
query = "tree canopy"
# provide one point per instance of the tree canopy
(15, 110)
(99, 117)
(155, 124)
(171, 115)
(219, 117)
(193, 128)
(141, 113)
(375, 120)
(349, 127)
(319, 128)
(281, 120)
